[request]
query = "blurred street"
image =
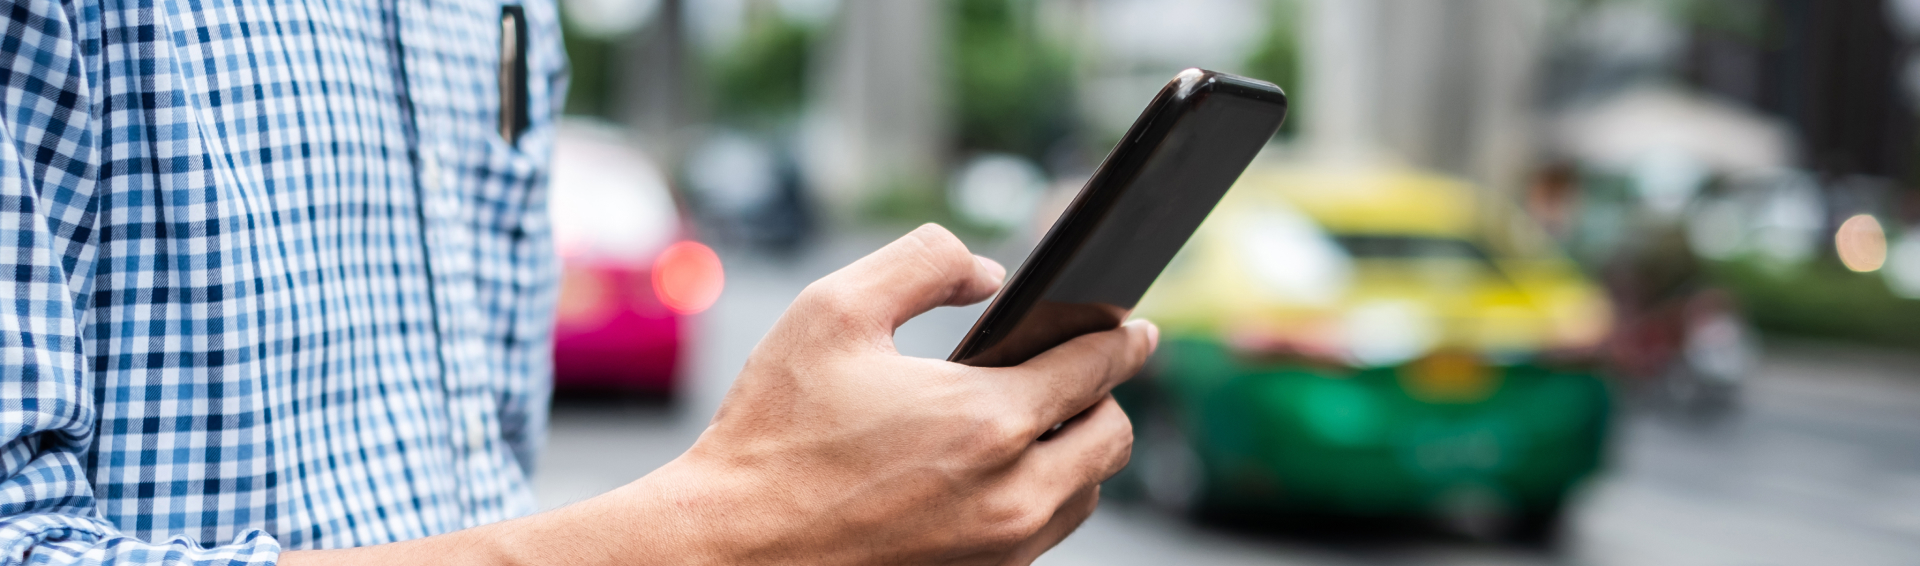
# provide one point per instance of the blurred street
(1642, 273)
(1819, 464)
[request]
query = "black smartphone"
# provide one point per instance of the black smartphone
(1140, 206)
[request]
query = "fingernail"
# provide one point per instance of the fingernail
(999, 271)
(1153, 334)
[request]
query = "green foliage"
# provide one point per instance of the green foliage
(1823, 300)
(1744, 19)
(1277, 58)
(590, 64)
(1011, 89)
(1751, 20)
(761, 82)
(909, 203)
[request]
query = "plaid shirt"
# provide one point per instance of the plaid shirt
(277, 280)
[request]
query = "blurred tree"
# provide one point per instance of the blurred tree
(761, 82)
(590, 61)
(1012, 90)
(1743, 19)
(635, 72)
(1277, 58)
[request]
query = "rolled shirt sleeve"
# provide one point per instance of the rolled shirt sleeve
(48, 166)
(276, 279)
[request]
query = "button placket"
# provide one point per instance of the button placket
(441, 202)
(442, 209)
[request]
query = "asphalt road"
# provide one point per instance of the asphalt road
(1820, 464)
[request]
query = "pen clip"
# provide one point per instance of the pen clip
(513, 73)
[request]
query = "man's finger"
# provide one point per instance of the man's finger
(1086, 450)
(1064, 522)
(1065, 380)
(926, 268)
(1066, 471)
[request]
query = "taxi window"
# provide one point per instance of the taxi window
(1374, 246)
(1436, 262)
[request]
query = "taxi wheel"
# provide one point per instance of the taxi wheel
(1540, 529)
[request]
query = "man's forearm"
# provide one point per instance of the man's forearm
(650, 521)
(832, 448)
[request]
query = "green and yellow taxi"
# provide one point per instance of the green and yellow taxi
(1370, 343)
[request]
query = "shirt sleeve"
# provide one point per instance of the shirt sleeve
(49, 163)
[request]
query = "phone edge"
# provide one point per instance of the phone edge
(1175, 92)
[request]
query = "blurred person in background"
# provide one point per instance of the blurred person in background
(283, 279)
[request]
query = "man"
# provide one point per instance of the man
(281, 279)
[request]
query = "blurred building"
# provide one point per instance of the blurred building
(1836, 72)
(1440, 84)
(656, 84)
(877, 120)
(1129, 48)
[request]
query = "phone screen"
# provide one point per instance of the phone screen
(1137, 210)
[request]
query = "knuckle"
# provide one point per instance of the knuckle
(1104, 366)
(837, 304)
(1013, 432)
(1009, 524)
(997, 435)
(1122, 362)
(941, 248)
(824, 295)
(938, 239)
(1122, 448)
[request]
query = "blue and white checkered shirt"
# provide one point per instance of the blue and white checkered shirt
(276, 278)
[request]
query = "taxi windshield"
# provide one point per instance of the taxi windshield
(1378, 246)
(1434, 262)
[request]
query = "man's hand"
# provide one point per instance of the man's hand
(832, 448)
(843, 451)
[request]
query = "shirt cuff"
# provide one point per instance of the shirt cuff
(50, 538)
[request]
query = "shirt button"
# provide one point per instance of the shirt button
(430, 171)
(476, 432)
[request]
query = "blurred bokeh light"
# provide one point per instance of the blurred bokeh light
(1861, 244)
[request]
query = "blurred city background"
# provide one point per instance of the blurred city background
(1519, 282)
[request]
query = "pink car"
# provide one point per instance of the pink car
(632, 275)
